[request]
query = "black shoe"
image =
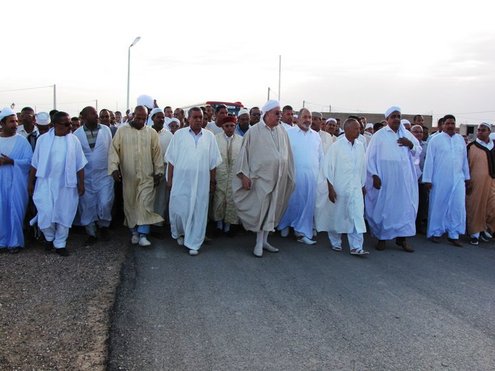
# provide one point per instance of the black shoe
(435, 239)
(13, 250)
(474, 241)
(484, 237)
(455, 242)
(91, 240)
(104, 234)
(62, 252)
(48, 245)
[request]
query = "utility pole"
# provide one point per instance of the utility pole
(279, 74)
(54, 96)
(268, 94)
(304, 103)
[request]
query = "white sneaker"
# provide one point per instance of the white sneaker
(143, 241)
(258, 251)
(269, 248)
(193, 252)
(284, 232)
(180, 241)
(306, 240)
(135, 239)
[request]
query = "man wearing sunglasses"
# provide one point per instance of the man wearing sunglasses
(58, 168)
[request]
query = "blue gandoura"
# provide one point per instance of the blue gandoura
(391, 185)
(15, 161)
(307, 151)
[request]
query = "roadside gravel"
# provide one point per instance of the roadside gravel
(55, 311)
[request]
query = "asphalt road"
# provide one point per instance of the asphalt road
(305, 308)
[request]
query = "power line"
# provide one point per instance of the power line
(37, 87)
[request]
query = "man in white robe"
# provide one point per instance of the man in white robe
(287, 117)
(58, 167)
(307, 151)
(220, 113)
(162, 193)
(136, 160)
(446, 175)
(95, 206)
(242, 122)
(265, 177)
(322, 205)
(391, 185)
(192, 157)
(345, 171)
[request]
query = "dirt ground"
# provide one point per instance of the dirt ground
(55, 311)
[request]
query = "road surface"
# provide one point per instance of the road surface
(305, 308)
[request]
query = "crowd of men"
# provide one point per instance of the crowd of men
(262, 170)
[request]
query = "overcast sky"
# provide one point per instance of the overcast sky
(430, 57)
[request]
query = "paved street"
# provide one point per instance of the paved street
(305, 308)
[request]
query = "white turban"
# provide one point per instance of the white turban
(42, 118)
(154, 111)
(5, 112)
(392, 110)
(368, 126)
(405, 122)
(242, 111)
(145, 100)
(271, 104)
(331, 119)
(170, 120)
(485, 124)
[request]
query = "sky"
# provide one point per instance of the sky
(429, 57)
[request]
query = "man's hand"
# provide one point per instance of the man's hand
(31, 189)
(469, 187)
(332, 196)
(428, 186)
(377, 182)
(404, 142)
(5, 160)
(246, 182)
(117, 176)
(156, 179)
(80, 189)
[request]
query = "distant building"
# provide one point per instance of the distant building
(375, 117)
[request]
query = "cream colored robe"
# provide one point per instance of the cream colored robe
(223, 204)
(138, 155)
(162, 194)
(266, 158)
(323, 209)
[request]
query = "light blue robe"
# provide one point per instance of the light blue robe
(14, 193)
(308, 153)
(446, 167)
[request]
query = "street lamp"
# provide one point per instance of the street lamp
(136, 40)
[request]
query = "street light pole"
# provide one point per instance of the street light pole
(136, 40)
